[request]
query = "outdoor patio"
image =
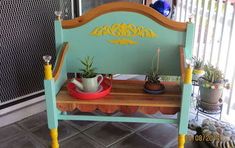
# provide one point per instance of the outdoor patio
(32, 132)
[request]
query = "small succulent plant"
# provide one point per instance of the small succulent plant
(152, 76)
(88, 71)
(198, 63)
(213, 78)
(213, 74)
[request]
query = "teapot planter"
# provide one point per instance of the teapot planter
(89, 84)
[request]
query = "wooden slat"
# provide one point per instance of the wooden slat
(129, 93)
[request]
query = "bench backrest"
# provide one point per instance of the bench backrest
(123, 38)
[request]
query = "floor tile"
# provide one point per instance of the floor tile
(80, 140)
(134, 125)
(82, 125)
(22, 141)
(9, 131)
(160, 115)
(64, 131)
(34, 121)
(160, 134)
(107, 133)
(134, 141)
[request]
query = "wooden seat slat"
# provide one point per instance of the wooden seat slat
(129, 93)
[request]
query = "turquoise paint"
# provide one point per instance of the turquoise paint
(189, 41)
(184, 111)
(58, 36)
(116, 119)
(110, 58)
(52, 113)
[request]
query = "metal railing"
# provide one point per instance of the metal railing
(214, 40)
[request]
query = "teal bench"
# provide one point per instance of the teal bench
(122, 37)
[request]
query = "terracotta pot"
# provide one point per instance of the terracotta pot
(209, 95)
(153, 86)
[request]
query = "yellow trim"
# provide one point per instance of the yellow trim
(124, 30)
(123, 42)
(188, 75)
(181, 140)
(198, 71)
(48, 71)
(54, 138)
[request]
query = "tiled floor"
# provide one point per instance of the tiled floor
(32, 132)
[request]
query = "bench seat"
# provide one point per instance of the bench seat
(125, 93)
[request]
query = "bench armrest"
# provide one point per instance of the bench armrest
(60, 70)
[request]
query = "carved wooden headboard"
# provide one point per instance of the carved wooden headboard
(123, 38)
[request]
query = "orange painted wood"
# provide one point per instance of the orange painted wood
(124, 6)
(60, 61)
(86, 108)
(169, 110)
(129, 93)
(108, 108)
(148, 110)
(129, 109)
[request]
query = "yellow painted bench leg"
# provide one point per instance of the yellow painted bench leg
(181, 141)
(54, 138)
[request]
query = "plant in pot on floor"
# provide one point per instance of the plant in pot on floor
(211, 87)
(90, 81)
(198, 68)
(153, 84)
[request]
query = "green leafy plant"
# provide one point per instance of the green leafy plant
(88, 71)
(198, 63)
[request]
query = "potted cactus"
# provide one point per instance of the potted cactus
(153, 84)
(211, 85)
(198, 68)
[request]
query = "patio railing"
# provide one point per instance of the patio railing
(214, 40)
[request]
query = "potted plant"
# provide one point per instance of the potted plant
(211, 85)
(89, 81)
(153, 84)
(198, 68)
